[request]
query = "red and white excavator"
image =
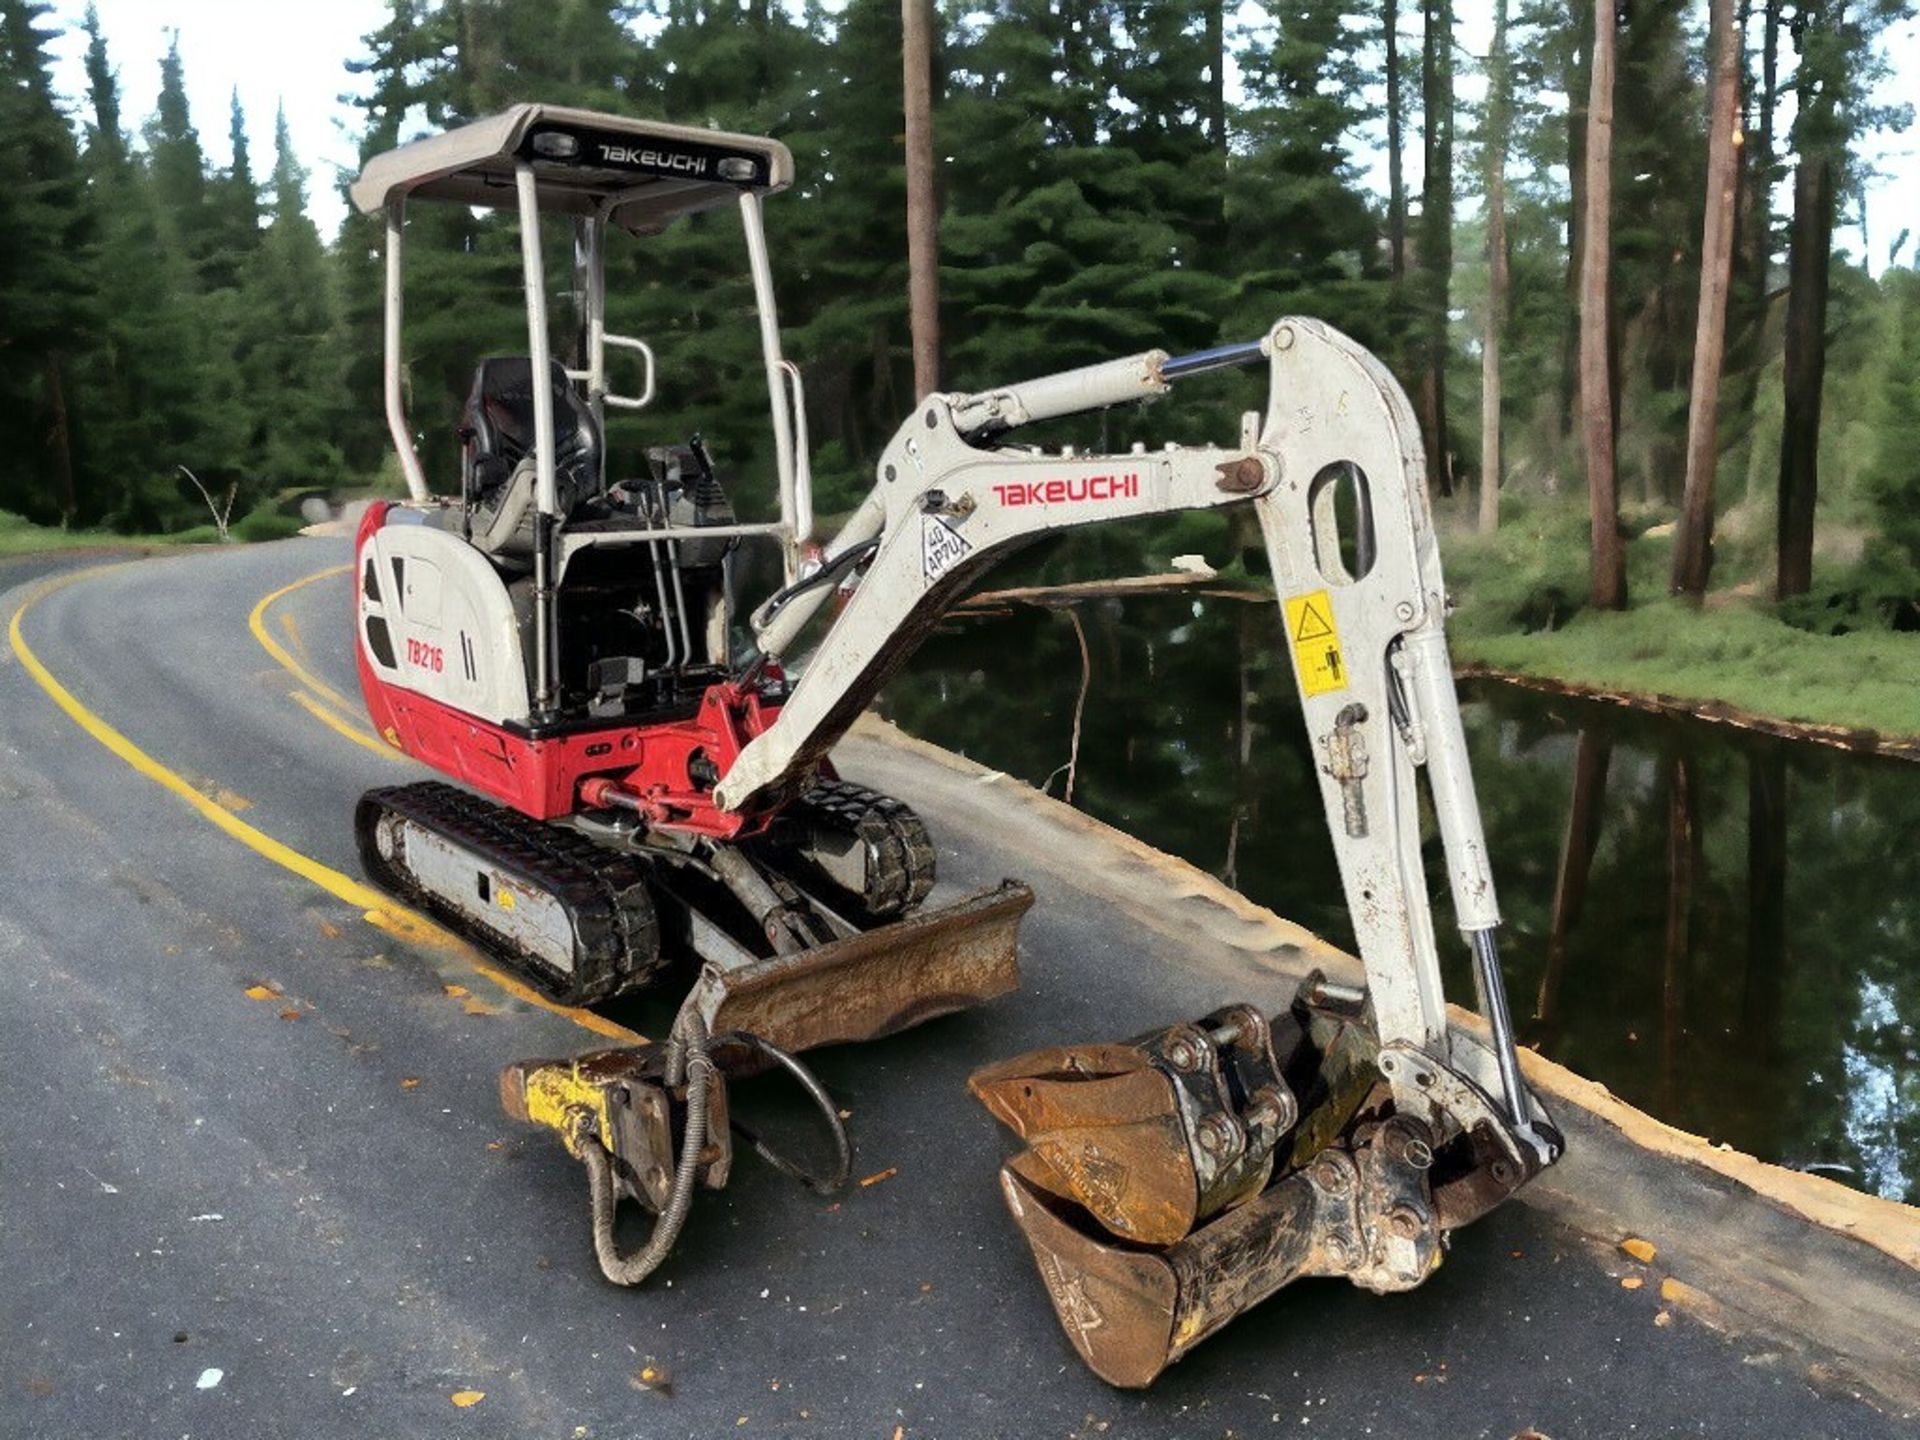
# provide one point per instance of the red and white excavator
(643, 801)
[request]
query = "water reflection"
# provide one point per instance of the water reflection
(1718, 927)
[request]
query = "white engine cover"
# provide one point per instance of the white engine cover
(446, 614)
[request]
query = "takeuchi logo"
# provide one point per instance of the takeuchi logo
(1069, 492)
(653, 159)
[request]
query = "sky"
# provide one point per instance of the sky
(293, 52)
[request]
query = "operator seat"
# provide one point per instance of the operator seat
(497, 461)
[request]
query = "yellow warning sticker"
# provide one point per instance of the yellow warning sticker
(1316, 643)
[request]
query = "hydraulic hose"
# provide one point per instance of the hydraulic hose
(690, 1056)
(809, 1082)
(689, 1040)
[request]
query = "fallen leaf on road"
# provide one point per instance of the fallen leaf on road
(1681, 1293)
(1631, 1282)
(1641, 1250)
(409, 1082)
(886, 1174)
(464, 1398)
(455, 990)
(262, 992)
(289, 1014)
(1664, 1318)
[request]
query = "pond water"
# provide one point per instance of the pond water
(1721, 928)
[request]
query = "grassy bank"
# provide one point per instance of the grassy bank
(19, 536)
(1520, 595)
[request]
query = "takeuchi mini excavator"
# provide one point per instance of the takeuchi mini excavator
(644, 798)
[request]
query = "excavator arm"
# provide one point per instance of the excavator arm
(1358, 579)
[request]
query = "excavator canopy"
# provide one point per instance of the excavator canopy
(641, 174)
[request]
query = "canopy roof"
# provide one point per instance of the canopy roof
(645, 172)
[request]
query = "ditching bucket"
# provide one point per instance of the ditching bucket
(1173, 1182)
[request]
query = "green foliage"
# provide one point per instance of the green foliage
(1892, 475)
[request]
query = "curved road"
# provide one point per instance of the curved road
(255, 1181)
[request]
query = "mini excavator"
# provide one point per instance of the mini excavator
(645, 797)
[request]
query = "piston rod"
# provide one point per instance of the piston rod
(1221, 357)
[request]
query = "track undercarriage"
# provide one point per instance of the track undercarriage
(580, 908)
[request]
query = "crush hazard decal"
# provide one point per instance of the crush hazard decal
(1316, 643)
(941, 547)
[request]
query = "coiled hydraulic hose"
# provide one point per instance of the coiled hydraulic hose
(690, 1058)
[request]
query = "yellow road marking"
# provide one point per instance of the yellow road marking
(289, 624)
(341, 728)
(377, 909)
(339, 724)
(257, 622)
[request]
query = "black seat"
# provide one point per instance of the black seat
(496, 431)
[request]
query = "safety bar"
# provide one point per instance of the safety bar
(781, 397)
(391, 379)
(802, 456)
(645, 352)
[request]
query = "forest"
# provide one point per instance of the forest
(1632, 294)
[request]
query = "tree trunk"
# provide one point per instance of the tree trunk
(923, 238)
(1436, 235)
(61, 439)
(1498, 102)
(1693, 546)
(1210, 228)
(1579, 80)
(1396, 179)
(1217, 75)
(1609, 574)
(1683, 863)
(1805, 367)
(1760, 992)
(1591, 757)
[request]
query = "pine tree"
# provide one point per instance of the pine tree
(177, 163)
(44, 304)
(234, 227)
(288, 368)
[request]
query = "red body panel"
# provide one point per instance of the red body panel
(542, 778)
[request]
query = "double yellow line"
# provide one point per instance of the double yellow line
(376, 909)
(333, 718)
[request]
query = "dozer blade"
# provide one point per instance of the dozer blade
(878, 982)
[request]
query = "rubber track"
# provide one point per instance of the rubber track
(904, 872)
(604, 891)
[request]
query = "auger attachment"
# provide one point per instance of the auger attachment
(1173, 1182)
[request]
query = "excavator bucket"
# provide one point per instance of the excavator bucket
(1171, 1183)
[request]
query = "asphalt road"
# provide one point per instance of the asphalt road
(304, 1214)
